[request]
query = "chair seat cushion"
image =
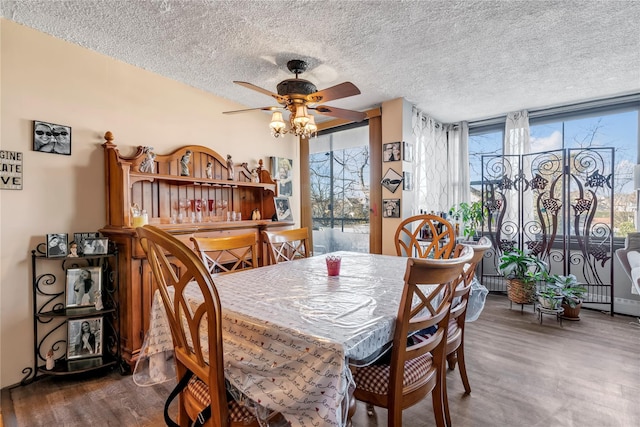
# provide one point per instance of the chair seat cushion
(375, 378)
(453, 327)
(200, 392)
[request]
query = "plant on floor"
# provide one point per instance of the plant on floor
(572, 293)
(522, 270)
(471, 215)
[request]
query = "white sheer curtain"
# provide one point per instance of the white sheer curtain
(441, 166)
(517, 143)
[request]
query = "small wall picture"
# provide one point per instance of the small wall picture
(84, 337)
(51, 138)
(391, 208)
(407, 151)
(57, 245)
(83, 286)
(391, 152)
(391, 180)
(79, 238)
(283, 208)
(282, 171)
(407, 181)
(95, 246)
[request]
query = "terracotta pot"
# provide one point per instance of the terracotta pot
(571, 313)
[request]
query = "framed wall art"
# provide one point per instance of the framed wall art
(51, 138)
(282, 171)
(391, 180)
(83, 286)
(57, 245)
(84, 337)
(283, 208)
(391, 208)
(391, 152)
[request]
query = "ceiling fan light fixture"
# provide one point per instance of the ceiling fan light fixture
(277, 125)
(301, 118)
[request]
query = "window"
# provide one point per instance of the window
(482, 142)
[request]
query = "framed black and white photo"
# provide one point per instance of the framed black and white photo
(282, 172)
(283, 208)
(95, 246)
(407, 181)
(407, 151)
(84, 337)
(391, 208)
(391, 152)
(57, 245)
(83, 286)
(391, 180)
(51, 138)
(79, 238)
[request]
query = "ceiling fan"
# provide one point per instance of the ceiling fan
(299, 96)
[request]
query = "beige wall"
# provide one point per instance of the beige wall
(43, 78)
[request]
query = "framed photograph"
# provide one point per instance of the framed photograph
(283, 208)
(391, 180)
(95, 246)
(84, 338)
(407, 181)
(391, 152)
(51, 138)
(57, 245)
(79, 238)
(391, 208)
(83, 286)
(282, 171)
(407, 151)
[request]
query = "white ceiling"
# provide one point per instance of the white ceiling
(455, 60)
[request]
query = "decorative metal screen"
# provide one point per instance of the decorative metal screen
(559, 206)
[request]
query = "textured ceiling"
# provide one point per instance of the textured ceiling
(455, 60)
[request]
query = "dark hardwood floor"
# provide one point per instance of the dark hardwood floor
(522, 373)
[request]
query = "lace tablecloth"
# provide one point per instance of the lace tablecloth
(289, 330)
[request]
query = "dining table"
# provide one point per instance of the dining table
(290, 331)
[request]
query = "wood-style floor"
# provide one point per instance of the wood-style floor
(522, 373)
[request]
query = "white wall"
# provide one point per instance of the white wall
(43, 78)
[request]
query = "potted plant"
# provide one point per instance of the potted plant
(549, 297)
(522, 271)
(572, 294)
(471, 215)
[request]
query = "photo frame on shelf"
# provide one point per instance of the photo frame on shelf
(391, 208)
(407, 181)
(83, 286)
(282, 171)
(391, 151)
(391, 180)
(51, 138)
(95, 246)
(79, 238)
(407, 151)
(84, 337)
(283, 208)
(57, 245)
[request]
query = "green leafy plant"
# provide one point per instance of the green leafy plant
(471, 215)
(572, 292)
(523, 266)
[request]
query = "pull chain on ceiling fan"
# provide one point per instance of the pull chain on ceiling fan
(299, 96)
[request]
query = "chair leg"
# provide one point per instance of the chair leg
(370, 409)
(463, 368)
(438, 410)
(445, 399)
(452, 359)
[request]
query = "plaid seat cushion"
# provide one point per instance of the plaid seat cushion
(200, 391)
(375, 378)
(453, 327)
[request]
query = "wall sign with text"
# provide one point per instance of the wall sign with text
(10, 170)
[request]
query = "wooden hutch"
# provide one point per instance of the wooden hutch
(157, 184)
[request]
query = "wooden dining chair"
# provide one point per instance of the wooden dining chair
(425, 236)
(455, 331)
(206, 387)
(287, 245)
(417, 362)
(227, 254)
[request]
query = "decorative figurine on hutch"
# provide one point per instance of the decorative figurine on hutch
(184, 163)
(231, 174)
(148, 165)
(99, 305)
(209, 170)
(254, 175)
(73, 250)
(255, 214)
(51, 363)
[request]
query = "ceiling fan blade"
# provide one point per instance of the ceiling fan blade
(354, 116)
(280, 99)
(342, 90)
(252, 109)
